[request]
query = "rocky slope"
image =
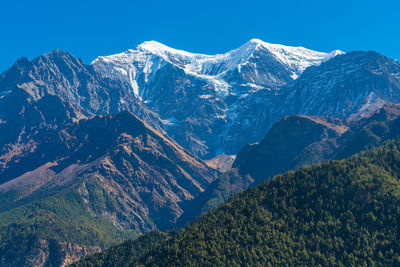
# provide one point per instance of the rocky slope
(203, 99)
(285, 144)
(60, 74)
(51, 91)
(291, 143)
(221, 162)
(336, 213)
(300, 140)
(215, 104)
(156, 172)
(348, 86)
(119, 172)
(212, 104)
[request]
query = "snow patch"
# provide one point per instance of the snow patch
(148, 57)
(170, 121)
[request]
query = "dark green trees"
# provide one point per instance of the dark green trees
(337, 213)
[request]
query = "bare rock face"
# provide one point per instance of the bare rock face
(291, 143)
(221, 162)
(146, 173)
(115, 171)
(353, 85)
(60, 74)
(74, 252)
(58, 254)
(285, 143)
(300, 140)
(210, 104)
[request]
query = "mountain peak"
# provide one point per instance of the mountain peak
(22, 60)
(259, 42)
(20, 63)
(297, 59)
(157, 73)
(151, 45)
(160, 49)
(255, 40)
(59, 57)
(57, 53)
(336, 52)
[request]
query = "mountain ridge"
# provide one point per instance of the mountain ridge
(109, 178)
(78, 145)
(209, 88)
(225, 106)
(293, 142)
(326, 214)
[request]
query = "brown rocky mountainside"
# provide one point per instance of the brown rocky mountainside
(222, 162)
(115, 171)
(56, 88)
(59, 73)
(146, 173)
(77, 169)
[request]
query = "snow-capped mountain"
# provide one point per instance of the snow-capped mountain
(60, 74)
(200, 97)
(149, 57)
(211, 104)
(85, 129)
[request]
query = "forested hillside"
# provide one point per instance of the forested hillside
(291, 143)
(335, 213)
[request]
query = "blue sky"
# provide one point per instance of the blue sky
(92, 28)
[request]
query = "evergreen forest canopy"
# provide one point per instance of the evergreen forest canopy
(336, 213)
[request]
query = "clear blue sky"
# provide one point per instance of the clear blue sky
(92, 28)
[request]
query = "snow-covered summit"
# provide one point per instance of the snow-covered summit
(262, 61)
(297, 59)
(161, 49)
(215, 104)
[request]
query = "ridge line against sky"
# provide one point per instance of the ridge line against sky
(89, 29)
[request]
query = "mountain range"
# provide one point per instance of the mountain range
(336, 213)
(123, 177)
(293, 142)
(210, 94)
(213, 104)
(94, 154)
(223, 102)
